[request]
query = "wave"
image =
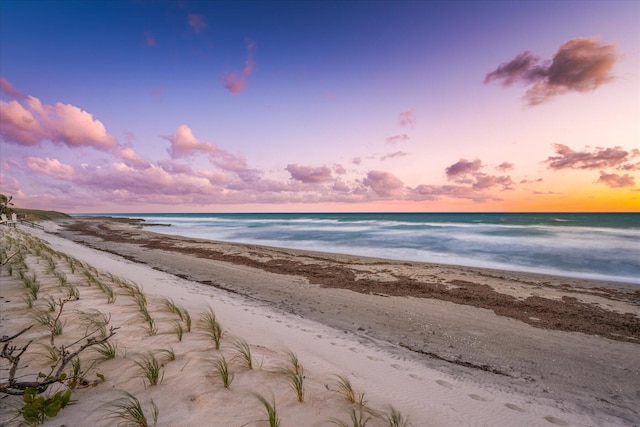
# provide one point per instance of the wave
(591, 247)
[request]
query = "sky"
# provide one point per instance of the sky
(320, 106)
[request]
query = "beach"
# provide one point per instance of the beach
(445, 345)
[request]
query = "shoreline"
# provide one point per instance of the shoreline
(450, 349)
(621, 280)
(536, 348)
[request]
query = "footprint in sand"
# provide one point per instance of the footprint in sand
(372, 358)
(556, 421)
(514, 407)
(355, 350)
(478, 397)
(415, 377)
(394, 366)
(444, 384)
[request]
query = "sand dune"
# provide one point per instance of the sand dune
(427, 391)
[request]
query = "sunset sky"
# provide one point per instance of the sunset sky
(258, 106)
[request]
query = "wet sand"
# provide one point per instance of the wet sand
(570, 340)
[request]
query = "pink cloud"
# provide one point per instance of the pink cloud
(436, 192)
(579, 65)
(172, 166)
(51, 167)
(196, 22)
(149, 39)
(519, 68)
(462, 168)
(8, 88)
(236, 81)
(356, 160)
(483, 181)
(232, 162)
(504, 166)
(393, 155)
(184, 143)
(397, 138)
(9, 185)
(407, 118)
(599, 158)
(531, 181)
(32, 122)
(129, 155)
(19, 125)
(339, 169)
(614, 180)
(309, 174)
(9, 164)
(469, 172)
(384, 184)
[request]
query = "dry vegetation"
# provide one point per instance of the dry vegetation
(65, 323)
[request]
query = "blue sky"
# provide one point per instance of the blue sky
(345, 105)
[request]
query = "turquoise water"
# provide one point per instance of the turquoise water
(602, 246)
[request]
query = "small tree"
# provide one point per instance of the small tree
(5, 202)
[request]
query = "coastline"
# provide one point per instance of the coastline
(522, 333)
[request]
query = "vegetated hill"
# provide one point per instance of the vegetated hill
(35, 215)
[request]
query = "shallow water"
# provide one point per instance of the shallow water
(599, 246)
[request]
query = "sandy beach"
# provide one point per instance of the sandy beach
(444, 345)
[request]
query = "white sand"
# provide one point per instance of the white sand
(191, 393)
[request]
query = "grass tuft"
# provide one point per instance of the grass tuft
(170, 353)
(345, 388)
(95, 321)
(244, 352)
(152, 370)
(221, 366)
(107, 350)
(358, 419)
(179, 331)
(129, 410)
(270, 408)
(173, 307)
(187, 319)
(295, 375)
(213, 328)
(395, 419)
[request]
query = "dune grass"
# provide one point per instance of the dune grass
(62, 277)
(295, 375)
(54, 324)
(221, 366)
(169, 353)
(72, 291)
(95, 321)
(128, 410)
(346, 389)
(107, 350)
(173, 307)
(178, 330)
(395, 419)
(270, 408)
(243, 352)
(31, 283)
(359, 418)
(212, 327)
(187, 319)
(152, 370)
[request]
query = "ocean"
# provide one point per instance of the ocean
(602, 246)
